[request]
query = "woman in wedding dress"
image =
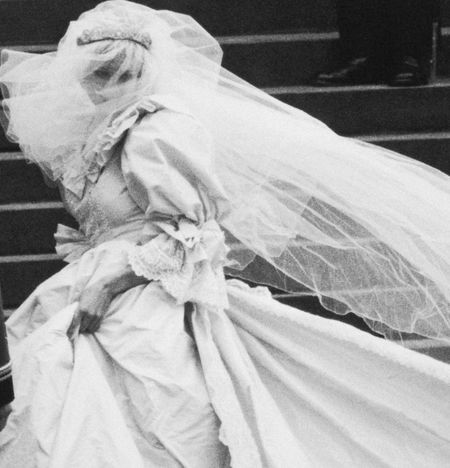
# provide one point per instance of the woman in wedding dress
(139, 353)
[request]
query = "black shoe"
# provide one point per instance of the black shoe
(408, 73)
(358, 71)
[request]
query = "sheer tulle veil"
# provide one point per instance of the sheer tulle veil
(365, 229)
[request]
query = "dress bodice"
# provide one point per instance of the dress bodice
(106, 204)
(152, 184)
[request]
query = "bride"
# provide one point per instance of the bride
(139, 353)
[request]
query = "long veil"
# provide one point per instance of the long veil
(365, 229)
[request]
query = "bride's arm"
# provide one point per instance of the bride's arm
(168, 168)
(122, 281)
(95, 299)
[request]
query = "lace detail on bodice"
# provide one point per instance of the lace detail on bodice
(89, 213)
(106, 205)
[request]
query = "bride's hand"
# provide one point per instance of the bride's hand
(4, 413)
(93, 304)
(95, 299)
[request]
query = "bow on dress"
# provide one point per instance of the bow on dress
(187, 259)
(71, 244)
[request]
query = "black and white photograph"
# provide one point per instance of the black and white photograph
(225, 234)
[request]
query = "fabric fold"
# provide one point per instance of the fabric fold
(272, 385)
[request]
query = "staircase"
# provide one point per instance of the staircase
(278, 46)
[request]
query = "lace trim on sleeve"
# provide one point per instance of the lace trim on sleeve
(187, 260)
(158, 259)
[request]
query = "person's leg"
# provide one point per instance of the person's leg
(362, 27)
(363, 31)
(411, 24)
(352, 19)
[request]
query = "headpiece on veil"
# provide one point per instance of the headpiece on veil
(363, 228)
(94, 35)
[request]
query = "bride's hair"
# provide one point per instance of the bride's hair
(116, 68)
(59, 104)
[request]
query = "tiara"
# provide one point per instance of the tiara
(94, 35)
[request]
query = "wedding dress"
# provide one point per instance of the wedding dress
(178, 169)
(192, 370)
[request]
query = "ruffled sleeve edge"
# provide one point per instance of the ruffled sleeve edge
(120, 122)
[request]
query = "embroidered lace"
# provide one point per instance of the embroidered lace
(187, 260)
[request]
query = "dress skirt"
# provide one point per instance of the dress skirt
(259, 384)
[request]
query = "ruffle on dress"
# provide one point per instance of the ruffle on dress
(71, 244)
(188, 261)
(74, 177)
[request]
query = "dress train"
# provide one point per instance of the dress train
(260, 384)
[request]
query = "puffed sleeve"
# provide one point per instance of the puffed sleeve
(167, 163)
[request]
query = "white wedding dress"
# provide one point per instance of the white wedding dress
(191, 370)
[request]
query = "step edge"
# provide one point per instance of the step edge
(31, 206)
(413, 136)
(424, 343)
(409, 136)
(307, 89)
(237, 39)
(270, 38)
(303, 36)
(11, 156)
(232, 39)
(5, 259)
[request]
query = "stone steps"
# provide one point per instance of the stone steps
(23, 183)
(38, 21)
(282, 59)
(373, 109)
(295, 58)
(430, 148)
(30, 211)
(434, 348)
(46, 20)
(276, 45)
(21, 274)
(28, 228)
(365, 110)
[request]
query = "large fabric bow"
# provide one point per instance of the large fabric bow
(70, 243)
(187, 259)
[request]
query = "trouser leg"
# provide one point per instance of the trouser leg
(362, 28)
(411, 28)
